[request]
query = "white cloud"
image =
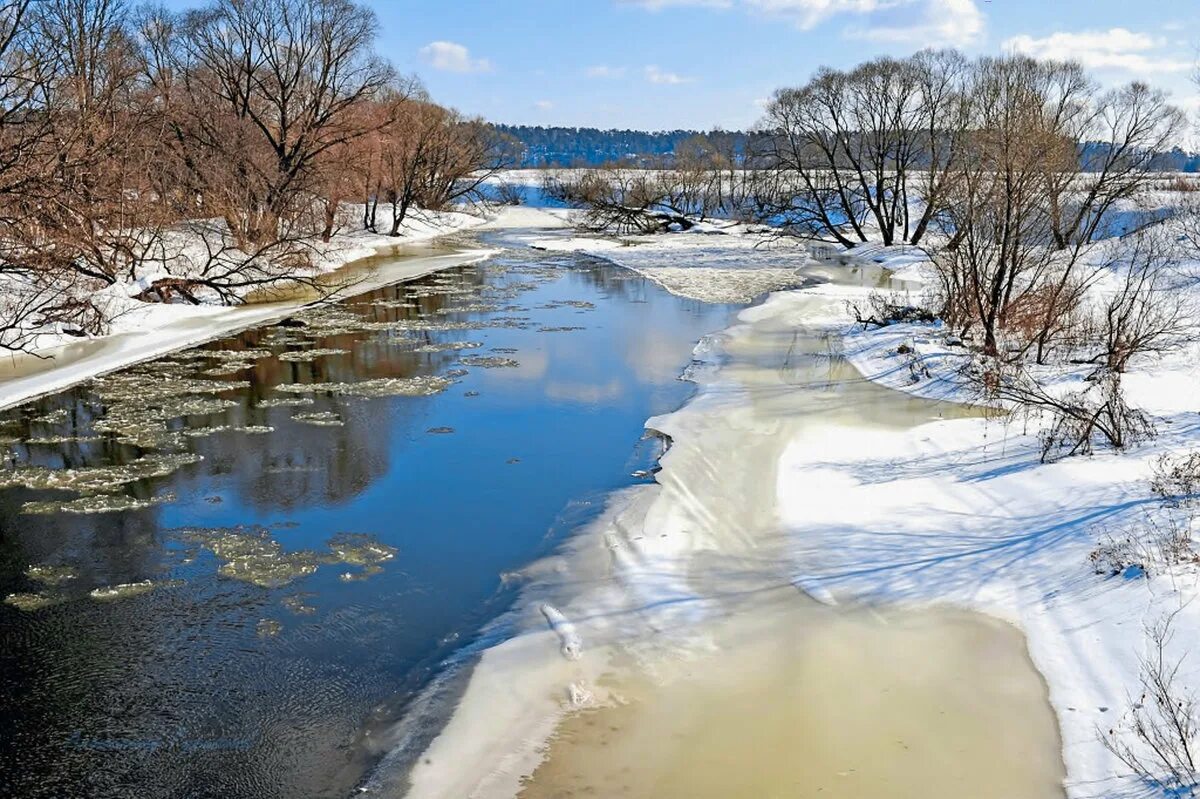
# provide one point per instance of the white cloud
(956, 23)
(656, 75)
(543, 105)
(919, 22)
(810, 13)
(452, 57)
(1116, 48)
(604, 71)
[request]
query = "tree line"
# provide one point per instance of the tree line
(555, 146)
(206, 150)
(1011, 165)
(1025, 181)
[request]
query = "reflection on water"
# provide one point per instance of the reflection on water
(224, 568)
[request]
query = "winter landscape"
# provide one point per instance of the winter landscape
(715, 398)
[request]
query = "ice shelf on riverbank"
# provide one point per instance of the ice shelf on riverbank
(711, 263)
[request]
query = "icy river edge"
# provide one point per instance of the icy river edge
(668, 582)
(161, 330)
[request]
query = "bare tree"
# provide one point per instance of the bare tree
(1163, 721)
(1148, 312)
(1075, 422)
(1003, 266)
(847, 146)
(256, 92)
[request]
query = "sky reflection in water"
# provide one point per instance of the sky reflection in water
(368, 545)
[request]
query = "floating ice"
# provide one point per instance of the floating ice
(285, 402)
(30, 602)
(359, 549)
(449, 346)
(250, 430)
(48, 574)
(141, 401)
(60, 416)
(59, 440)
(228, 368)
(110, 593)
(419, 386)
(488, 362)
(222, 355)
(97, 479)
(251, 555)
(310, 355)
(99, 503)
(296, 605)
(268, 628)
(319, 419)
(475, 307)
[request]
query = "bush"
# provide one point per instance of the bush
(508, 193)
(1151, 546)
(883, 310)
(1157, 737)
(1176, 478)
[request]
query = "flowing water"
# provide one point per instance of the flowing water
(226, 569)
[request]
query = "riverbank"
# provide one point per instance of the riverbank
(695, 573)
(143, 331)
(866, 504)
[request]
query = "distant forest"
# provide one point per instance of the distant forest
(563, 147)
(594, 147)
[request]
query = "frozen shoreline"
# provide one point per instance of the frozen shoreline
(151, 330)
(954, 511)
(643, 587)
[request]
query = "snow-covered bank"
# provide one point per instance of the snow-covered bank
(813, 456)
(142, 331)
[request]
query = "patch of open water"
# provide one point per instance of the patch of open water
(224, 569)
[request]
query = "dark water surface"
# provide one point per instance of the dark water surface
(265, 577)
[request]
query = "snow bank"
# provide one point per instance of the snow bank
(143, 331)
(645, 584)
(712, 262)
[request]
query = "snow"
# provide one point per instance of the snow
(719, 263)
(143, 331)
(816, 453)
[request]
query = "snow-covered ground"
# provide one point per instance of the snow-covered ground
(856, 491)
(142, 331)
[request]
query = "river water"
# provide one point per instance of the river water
(227, 569)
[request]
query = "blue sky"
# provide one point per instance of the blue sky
(702, 63)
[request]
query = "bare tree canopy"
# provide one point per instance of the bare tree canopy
(214, 145)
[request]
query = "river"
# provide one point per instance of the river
(420, 540)
(296, 565)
